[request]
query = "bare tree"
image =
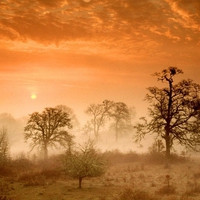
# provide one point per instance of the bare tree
(121, 115)
(173, 111)
(99, 113)
(46, 129)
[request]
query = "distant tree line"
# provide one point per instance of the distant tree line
(174, 116)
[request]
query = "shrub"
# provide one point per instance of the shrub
(6, 171)
(32, 179)
(156, 158)
(51, 173)
(167, 190)
(129, 194)
(22, 164)
(5, 190)
(175, 158)
(54, 162)
(194, 186)
(2, 197)
(116, 156)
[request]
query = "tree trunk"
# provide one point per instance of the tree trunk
(116, 133)
(167, 127)
(168, 147)
(80, 182)
(45, 153)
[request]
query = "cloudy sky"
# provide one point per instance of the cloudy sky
(78, 52)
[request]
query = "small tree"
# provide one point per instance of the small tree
(46, 129)
(84, 162)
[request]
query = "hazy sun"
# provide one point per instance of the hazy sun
(33, 96)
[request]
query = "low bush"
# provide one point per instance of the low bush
(32, 179)
(53, 162)
(51, 173)
(4, 188)
(130, 194)
(116, 156)
(175, 158)
(166, 190)
(6, 171)
(2, 197)
(22, 164)
(193, 187)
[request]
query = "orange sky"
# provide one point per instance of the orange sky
(77, 52)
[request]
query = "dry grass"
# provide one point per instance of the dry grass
(130, 180)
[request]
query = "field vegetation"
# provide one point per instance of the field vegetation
(128, 176)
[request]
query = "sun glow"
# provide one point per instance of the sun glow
(33, 96)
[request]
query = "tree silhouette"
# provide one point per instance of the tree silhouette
(173, 111)
(46, 129)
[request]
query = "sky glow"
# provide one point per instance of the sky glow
(78, 52)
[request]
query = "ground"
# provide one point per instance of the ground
(177, 181)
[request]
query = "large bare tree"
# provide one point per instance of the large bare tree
(173, 111)
(46, 129)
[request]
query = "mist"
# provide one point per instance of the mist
(106, 141)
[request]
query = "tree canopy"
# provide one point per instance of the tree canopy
(46, 129)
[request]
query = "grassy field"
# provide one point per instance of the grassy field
(126, 178)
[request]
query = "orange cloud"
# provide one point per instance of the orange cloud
(136, 29)
(49, 21)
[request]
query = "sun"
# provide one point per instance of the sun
(33, 96)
